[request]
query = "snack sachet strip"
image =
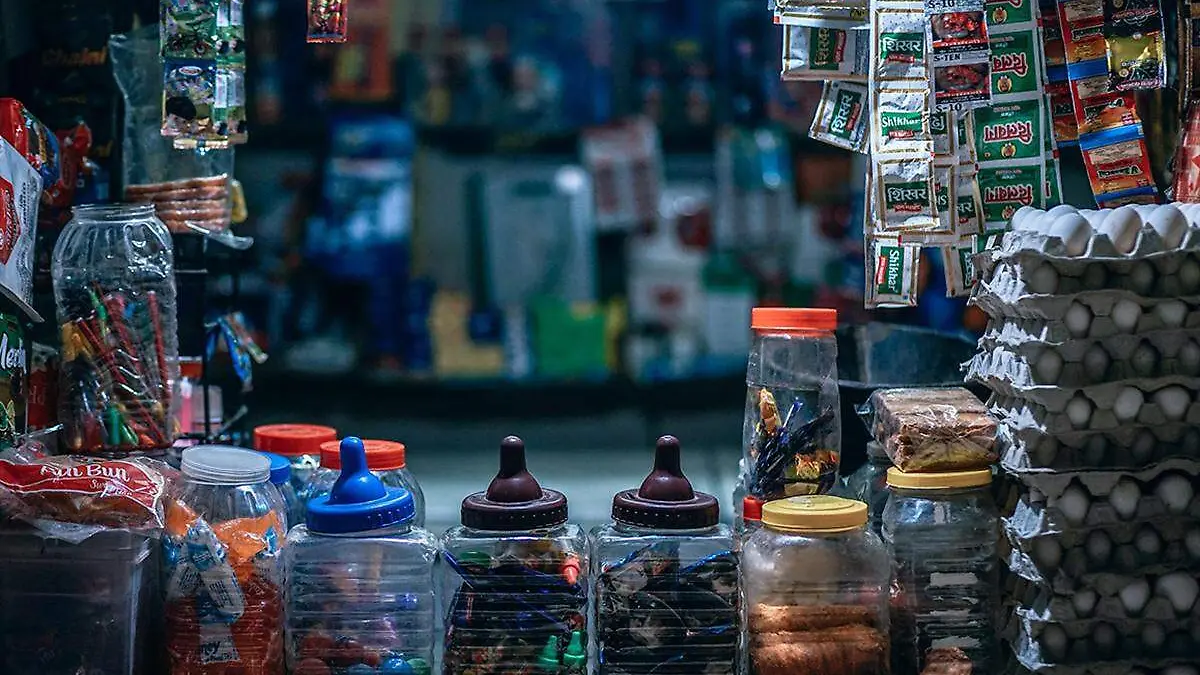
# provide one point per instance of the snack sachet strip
(842, 117)
(958, 39)
(1135, 39)
(824, 54)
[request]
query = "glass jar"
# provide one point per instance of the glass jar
(815, 581)
(791, 435)
(868, 484)
(515, 579)
(281, 478)
(665, 589)
(114, 290)
(301, 444)
(361, 579)
(222, 566)
(942, 530)
(386, 459)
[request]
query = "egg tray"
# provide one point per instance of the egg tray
(1006, 294)
(1129, 448)
(1053, 485)
(1026, 247)
(1023, 413)
(1102, 669)
(1085, 644)
(1125, 359)
(1037, 332)
(1036, 601)
(1030, 515)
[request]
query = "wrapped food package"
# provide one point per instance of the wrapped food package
(934, 429)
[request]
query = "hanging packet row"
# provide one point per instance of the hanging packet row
(204, 73)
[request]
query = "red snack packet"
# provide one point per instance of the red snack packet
(121, 494)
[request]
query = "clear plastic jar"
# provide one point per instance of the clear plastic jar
(386, 459)
(281, 478)
(515, 579)
(361, 579)
(222, 566)
(942, 529)
(868, 484)
(301, 444)
(815, 582)
(114, 289)
(791, 435)
(665, 589)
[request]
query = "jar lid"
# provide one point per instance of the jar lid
(381, 455)
(752, 508)
(793, 319)
(358, 500)
(666, 499)
(945, 480)
(191, 367)
(225, 465)
(814, 513)
(281, 468)
(514, 500)
(292, 440)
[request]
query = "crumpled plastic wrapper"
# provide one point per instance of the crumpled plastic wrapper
(926, 430)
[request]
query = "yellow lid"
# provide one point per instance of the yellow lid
(814, 513)
(945, 480)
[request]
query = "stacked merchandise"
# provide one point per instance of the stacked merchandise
(1093, 355)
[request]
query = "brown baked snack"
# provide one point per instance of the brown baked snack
(947, 661)
(848, 650)
(766, 618)
(934, 429)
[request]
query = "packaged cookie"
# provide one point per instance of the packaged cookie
(933, 429)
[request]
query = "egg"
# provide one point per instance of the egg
(1084, 601)
(1094, 277)
(1124, 498)
(1126, 314)
(1180, 588)
(1074, 231)
(1099, 547)
(1153, 635)
(1189, 358)
(1143, 446)
(1122, 227)
(1095, 363)
(1104, 639)
(1170, 224)
(1054, 640)
(1172, 313)
(1049, 366)
(1097, 218)
(1094, 450)
(1173, 401)
(1147, 542)
(1144, 359)
(1074, 503)
(1078, 319)
(1079, 411)
(1061, 210)
(1191, 541)
(1047, 553)
(1189, 276)
(1021, 219)
(1043, 280)
(1128, 404)
(1141, 278)
(1176, 492)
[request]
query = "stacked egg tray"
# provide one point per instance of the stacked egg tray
(1092, 354)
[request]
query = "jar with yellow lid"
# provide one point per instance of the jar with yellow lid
(815, 580)
(941, 530)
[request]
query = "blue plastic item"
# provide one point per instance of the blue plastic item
(359, 501)
(281, 468)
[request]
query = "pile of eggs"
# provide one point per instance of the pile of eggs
(1099, 449)
(1102, 550)
(1106, 641)
(1174, 490)
(1121, 225)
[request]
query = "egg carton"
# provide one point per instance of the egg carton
(1086, 362)
(1128, 448)
(1104, 669)
(1022, 413)
(1088, 326)
(1029, 513)
(1006, 293)
(1136, 599)
(1033, 249)
(1039, 645)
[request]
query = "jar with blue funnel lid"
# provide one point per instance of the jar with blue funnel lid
(281, 478)
(361, 578)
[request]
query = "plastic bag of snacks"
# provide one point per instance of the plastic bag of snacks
(933, 429)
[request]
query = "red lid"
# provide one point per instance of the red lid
(191, 368)
(752, 508)
(793, 319)
(292, 440)
(381, 455)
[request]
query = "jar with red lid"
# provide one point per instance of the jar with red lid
(387, 460)
(300, 443)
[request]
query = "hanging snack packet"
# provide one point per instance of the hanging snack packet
(841, 118)
(891, 272)
(958, 262)
(1137, 61)
(188, 29)
(964, 136)
(846, 17)
(959, 54)
(968, 206)
(327, 20)
(941, 127)
(1014, 63)
(902, 117)
(1119, 167)
(824, 54)
(1012, 131)
(1054, 52)
(1004, 189)
(901, 55)
(1097, 106)
(1082, 24)
(1062, 108)
(905, 194)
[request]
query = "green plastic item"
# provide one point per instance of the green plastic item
(548, 659)
(477, 558)
(113, 424)
(420, 667)
(576, 655)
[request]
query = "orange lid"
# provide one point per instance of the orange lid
(292, 440)
(381, 455)
(793, 319)
(752, 508)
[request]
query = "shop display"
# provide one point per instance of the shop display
(665, 586)
(515, 576)
(360, 579)
(114, 288)
(386, 461)
(816, 584)
(301, 444)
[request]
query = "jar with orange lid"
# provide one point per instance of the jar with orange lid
(791, 434)
(386, 459)
(942, 531)
(815, 581)
(300, 443)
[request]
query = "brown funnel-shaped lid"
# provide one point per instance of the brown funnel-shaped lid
(666, 499)
(514, 500)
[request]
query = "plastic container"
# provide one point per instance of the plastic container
(361, 579)
(815, 581)
(386, 459)
(301, 444)
(223, 568)
(665, 588)
(942, 529)
(869, 485)
(791, 435)
(77, 608)
(281, 478)
(515, 580)
(114, 290)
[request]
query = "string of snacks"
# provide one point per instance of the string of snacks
(204, 73)
(1186, 182)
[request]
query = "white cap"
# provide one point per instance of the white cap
(225, 465)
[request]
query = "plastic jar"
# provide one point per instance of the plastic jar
(281, 478)
(666, 575)
(222, 566)
(114, 289)
(791, 435)
(361, 580)
(386, 459)
(300, 443)
(815, 581)
(942, 530)
(515, 579)
(868, 484)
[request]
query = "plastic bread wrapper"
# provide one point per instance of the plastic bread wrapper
(843, 17)
(1016, 409)
(1123, 449)
(932, 429)
(828, 54)
(72, 498)
(1037, 601)
(1054, 648)
(842, 117)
